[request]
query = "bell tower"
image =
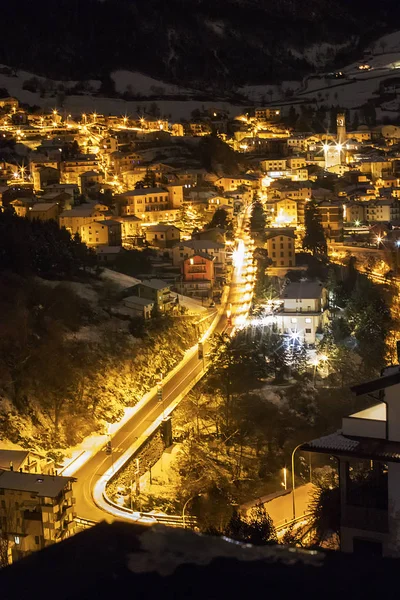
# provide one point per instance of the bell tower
(341, 128)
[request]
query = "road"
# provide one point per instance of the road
(238, 301)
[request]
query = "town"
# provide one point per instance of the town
(265, 259)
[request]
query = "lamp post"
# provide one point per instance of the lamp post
(184, 508)
(293, 482)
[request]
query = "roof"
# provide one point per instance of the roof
(306, 290)
(202, 255)
(161, 227)
(137, 300)
(201, 245)
(155, 284)
(16, 457)
(107, 222)
(79, 212)
(392, 378)
(361, 447)
(271, 233)
(145, 192)
(41, 485)
(44, 206)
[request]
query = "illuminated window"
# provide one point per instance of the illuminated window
(293, 320)
(308, 320)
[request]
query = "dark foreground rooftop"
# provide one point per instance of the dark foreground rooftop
(130, 561)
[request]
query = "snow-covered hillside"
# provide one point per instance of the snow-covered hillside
(141, 85)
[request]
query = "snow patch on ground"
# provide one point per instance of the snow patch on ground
(320, 54)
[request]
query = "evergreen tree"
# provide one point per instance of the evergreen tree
(314, 239)
(257, 219)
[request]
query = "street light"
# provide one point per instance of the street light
(185, 505)
(293, 481)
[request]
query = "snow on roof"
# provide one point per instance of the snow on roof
(306, 290)
(136, 300)
(43, 206)
(41, 485)
(124, 281)
(155, 284)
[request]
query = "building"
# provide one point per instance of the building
(186, 249)
(44, 211)
(283, 212)
(25, 461)
(139, 202)
(280, 245)
(72, 169)
(332, 219)
(75, 218)
(130, 228)
(36, 510)
(267, 114)
(367, 449)
(162, 236)
(107, 254)
(382, 210)
(156, 290)
(102, 233)
(198, 275)
(304, 310)
(137, 307)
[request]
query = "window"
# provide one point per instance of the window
(289, 253)
(293, 320)
(281, 246)
(281, 254)
(308, 330)
(37, 539)
(273, 254)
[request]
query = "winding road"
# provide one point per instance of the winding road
(185, 375)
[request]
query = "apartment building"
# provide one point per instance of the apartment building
(281, 247)
(304, 310)
(102, 233)
(367, 448)
(36, 510)
(72, 169)
(142, 201)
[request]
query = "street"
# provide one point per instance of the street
(238, 301)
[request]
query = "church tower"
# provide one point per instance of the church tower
(341, 128)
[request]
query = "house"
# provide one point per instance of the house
(25, 461)
(44, 211)
(382, 210)
(130, 227)
(72, 169)
(331, 213)
(267, 114)
(283, 212)
(90, 180)
(304, 310)
(188, 248)
(156, 290)
(198, 275)
(367, 449)
(45, 176)
(107, 254)
(280, 245)
(138, 307)
(215, 234)
(229, 184)
(36, 510)
(81, 215)
(102, 233)
(162, 236)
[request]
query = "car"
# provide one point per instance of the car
(364, 67)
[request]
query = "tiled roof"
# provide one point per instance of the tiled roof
(360, 447)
